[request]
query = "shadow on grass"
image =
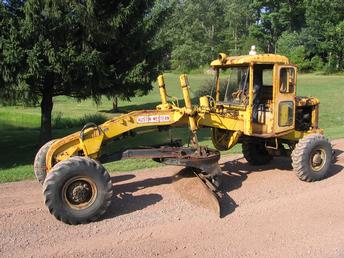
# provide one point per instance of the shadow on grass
(133, 107)
(145, 106)
(19, 145)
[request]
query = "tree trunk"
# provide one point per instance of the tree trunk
(46, 108)
(115, 104)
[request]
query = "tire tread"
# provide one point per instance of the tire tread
(56, 175)
(299, 163)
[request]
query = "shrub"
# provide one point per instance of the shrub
(316, 63)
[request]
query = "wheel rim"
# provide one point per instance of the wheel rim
(79, 192)
(317, 159)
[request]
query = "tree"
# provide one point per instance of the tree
(10, 56)
(238, 18)
(339, 43)
(323, 32)
(194, 29)
(273, 17)
(80, 49)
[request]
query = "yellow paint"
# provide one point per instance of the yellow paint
(222, 58)
(283, 115)
(204, 103)
(296, 135)
(247, 59)
(217, 97)
(224, 139)
(70, 145)
(279, 97)
(233, 139)
(162, 89)
(235, 120)
(184, 84)
(248, 114)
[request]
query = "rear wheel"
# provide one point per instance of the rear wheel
(255, 153)
(39, 165)
(311, 158)
(78, 190)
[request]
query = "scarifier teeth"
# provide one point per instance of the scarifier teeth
(196, 189)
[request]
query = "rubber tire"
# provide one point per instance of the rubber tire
(256, 153)
(39, 165)
(301, 155)
(74, 167)
(220, 133)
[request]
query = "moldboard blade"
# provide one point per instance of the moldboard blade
(195, 189)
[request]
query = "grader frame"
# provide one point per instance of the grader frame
(230, 122)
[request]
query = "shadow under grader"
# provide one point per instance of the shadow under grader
(336, 167)
(235, 172)
(120, 178)
(124, 202)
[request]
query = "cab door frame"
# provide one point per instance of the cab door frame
(284, 98)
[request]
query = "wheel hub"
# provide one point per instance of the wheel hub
(318, 159)
(79, 193)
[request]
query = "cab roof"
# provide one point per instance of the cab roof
(226, 61)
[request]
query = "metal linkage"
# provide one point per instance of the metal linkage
(202, 158)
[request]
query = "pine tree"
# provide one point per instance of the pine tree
(80, 49)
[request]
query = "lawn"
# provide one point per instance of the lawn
(19, 125)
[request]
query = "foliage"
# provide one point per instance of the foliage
(308, 32)
(77, 48)
(196, 35)
(273, 17)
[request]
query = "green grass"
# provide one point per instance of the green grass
(19, 125)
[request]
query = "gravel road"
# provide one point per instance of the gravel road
(266, 212)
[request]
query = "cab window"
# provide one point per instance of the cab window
(285, 113)
(237, 85)
(287, 80)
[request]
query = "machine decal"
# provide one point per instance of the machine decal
(153, 119)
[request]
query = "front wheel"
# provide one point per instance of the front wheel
(78, 190)
(311, 158)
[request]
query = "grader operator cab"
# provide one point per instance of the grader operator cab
(254, 104)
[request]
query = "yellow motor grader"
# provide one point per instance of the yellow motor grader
(254, 104)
